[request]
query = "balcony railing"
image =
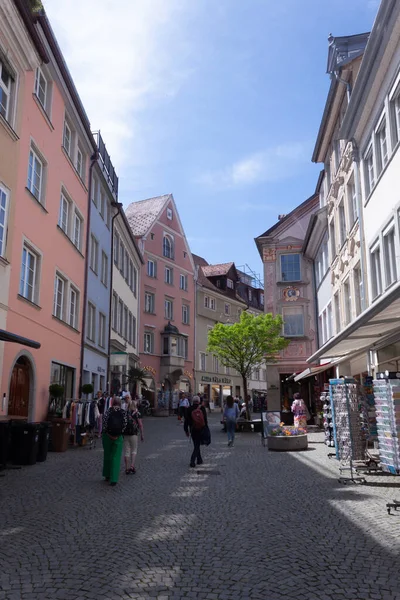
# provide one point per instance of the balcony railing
(106, 164)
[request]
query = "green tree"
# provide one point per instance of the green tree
(245, 345)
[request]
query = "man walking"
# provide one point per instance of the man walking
(195, 421)
(114, 425)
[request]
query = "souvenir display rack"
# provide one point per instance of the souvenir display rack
(387, 404)
(368, 392)
(328, 419)
(349, 434)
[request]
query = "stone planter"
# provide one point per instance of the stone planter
(287, 443)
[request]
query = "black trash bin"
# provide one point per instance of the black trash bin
(24, 443)
(43, 446)
(5, 430)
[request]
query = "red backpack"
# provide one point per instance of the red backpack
(198, 421)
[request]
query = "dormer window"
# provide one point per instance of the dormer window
(169, 214)
(218, 283)
(229, 283)
(168, 247)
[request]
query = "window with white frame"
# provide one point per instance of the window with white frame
(91, 322)
(151, 268)
(342, 224)
(389, 252)
(120, 317)
(357, 289)
(59, 297)
(293, 321)
(169, 214)
(215, 364)
(116, 248)
(338, 323)
(376, 272)
(185, 314)
(250, 294)
(114, 315)
(29, 277)
(134, 281)
(209, 302)
(352, 202)
(102, 330)
(229, 283)
(183, 282)
(381, 146)
(63, 218)
(202, 357)
(395, 115)
(321, 263)
(347, 302)
(168, 309)
(256, 374)
(95, 195)
(332, 239)
(168, 278)
(42, 91)
(94, 254)
(133, 342)
(121, 258)
(329, 320)
(261, 298)
(73, 307)
(148, 346)
(227, 309)
(77, 231)
(227, 371)
(212, 303)
(104, 268)
(126, 312)
(35, 175)
(168, 246)
(80, 162)
(4, 195)
(6, 85)
(149, 302)
(102, 204)
(290, 267)
(369, 171)
(67, 138)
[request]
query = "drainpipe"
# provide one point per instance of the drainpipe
(346, 83)
(118, 206)
(357, 184)
(93, 161)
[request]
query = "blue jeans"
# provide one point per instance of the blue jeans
(230, 428)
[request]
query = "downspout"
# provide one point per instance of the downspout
(357, 184)
(346, 83)
(118, 206)
(93, 161)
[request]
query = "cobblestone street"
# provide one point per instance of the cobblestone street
(247, 524)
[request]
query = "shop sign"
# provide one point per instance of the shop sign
(101, 370)
(216, 379)
(118, 360)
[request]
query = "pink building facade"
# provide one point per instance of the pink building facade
(47, 252)
(167, 298)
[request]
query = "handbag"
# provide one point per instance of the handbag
(205, 436)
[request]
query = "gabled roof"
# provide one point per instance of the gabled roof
(202, 279)
(215, 270)
(286, 217)
(142, 215)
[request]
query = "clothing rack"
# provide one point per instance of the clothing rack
(84, 416)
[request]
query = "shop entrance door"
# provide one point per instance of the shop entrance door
(18, 404)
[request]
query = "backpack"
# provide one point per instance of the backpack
(115, 423)
(132, 427)
(198, 421)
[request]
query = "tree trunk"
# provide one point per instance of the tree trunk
(245, 397)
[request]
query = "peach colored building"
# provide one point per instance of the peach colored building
(167, 298)
(46, 251)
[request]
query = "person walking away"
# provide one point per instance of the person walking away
(183, 407)
(299, 409)
(131, 436)
(195, 421)
(114, 424)
(231, 415)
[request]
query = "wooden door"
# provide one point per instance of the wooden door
(18, 403)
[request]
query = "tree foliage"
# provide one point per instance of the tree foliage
(137, 377)
(247, 344)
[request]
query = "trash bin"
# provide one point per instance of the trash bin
(5, 430)
(24, 442)
(43, 446)
(59, 435)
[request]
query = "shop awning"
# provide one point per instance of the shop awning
(381, 320)
(6, 336)
(311, 371)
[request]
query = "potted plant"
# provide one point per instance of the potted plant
(87, 389)
(56, 392)
(285, 438)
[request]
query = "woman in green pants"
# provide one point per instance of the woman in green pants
(114, 424)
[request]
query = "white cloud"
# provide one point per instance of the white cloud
(125, 56)
(273, 164)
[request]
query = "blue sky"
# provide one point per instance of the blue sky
(216, 102)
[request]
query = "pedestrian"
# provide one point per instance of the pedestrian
(299, 409)
(231, 415)
(195, 421)
(131, 436)
(183, 407)
(114, 424)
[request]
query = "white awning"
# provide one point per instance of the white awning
(319, 369)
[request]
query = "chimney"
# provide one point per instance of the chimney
(280, 217)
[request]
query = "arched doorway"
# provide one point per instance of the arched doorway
(20, 388)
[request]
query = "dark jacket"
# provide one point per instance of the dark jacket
(188, 420)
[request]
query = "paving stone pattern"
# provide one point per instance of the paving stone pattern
(247, 524)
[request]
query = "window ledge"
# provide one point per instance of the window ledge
(95, 272)
(69, 239)
(65, 323)
(67, 156)
(13, 134)
(4, 261)
(146, 312)
(43, 111)
(36, 200)
(292, 283)
(105, 285)
(33, 304)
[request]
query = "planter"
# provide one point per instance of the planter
(287, 443)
